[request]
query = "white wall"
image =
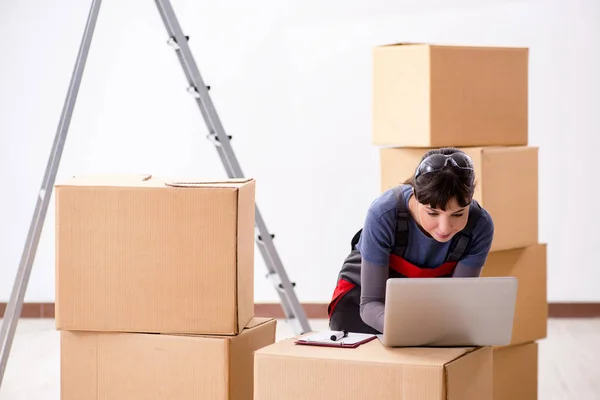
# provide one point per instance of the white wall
(292, 85)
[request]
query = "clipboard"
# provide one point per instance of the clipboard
(351, 341)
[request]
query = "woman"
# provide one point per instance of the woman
(428, 227)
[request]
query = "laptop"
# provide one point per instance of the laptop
(448, 312)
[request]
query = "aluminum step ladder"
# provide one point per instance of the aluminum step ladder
(294, 313)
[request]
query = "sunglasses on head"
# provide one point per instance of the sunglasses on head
(437, 162)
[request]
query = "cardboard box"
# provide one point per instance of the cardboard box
(507, 187)
(529, 266)
(126, 366)
(425, 95)
(287, 371)
(516, 372)
(144, 254)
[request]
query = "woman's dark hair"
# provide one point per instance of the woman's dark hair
(436, 187)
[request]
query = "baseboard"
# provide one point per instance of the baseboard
(33, 310)
(319, 310)
(573, 310)
(274, 310)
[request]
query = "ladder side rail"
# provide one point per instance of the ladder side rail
(15, 304)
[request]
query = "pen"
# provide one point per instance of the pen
(338, 335)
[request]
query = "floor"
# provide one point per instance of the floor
(569, 360)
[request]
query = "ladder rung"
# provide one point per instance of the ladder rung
(213, 136)
(173, 42)
(215, 139)
(194, 92)
(276, 280)
(260, 240)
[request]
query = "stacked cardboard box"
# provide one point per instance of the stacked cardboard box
(476, 99)
(155, 288)
(372, 371)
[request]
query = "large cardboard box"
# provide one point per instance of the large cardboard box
(287, 371)
(507, 187)
(126, 366)
(529, 266)
(516, 372)
(427, 95)
(145, 254)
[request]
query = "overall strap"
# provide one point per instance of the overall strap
(462, 239)
(401, 240)
(401, 237)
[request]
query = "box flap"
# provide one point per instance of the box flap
(256, 321)
(206, 183)
(456, 46)
(253, 324)
(107, 179)
(509, 149)
(373, 351)
(404, 44)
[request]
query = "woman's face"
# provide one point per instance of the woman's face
(442, 225)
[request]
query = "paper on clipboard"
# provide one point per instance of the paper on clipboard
(324, 339)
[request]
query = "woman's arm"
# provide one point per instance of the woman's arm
(375, 245)
(372, 300)
(465, 271)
